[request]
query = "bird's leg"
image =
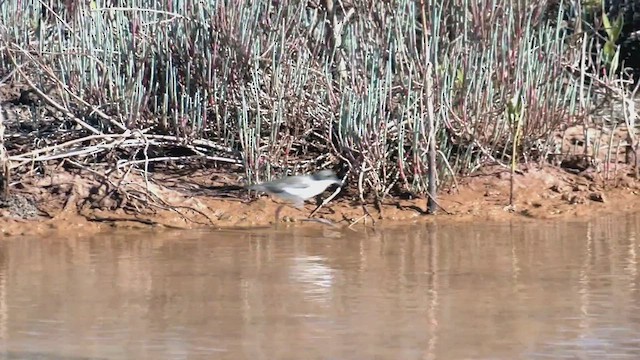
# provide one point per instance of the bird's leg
(324, 202)
(318, 206)
(278, 214)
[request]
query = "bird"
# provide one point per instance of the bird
(297, 189)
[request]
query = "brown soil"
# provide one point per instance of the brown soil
(75, 202)
(57, 198)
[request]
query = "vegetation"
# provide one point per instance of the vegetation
(379, 88)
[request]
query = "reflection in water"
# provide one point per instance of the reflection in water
(313, 276)
(490, 291)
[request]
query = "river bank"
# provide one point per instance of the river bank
(73, 202)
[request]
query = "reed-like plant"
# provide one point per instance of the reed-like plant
(283, 87)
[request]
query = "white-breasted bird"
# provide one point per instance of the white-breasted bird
(297, 189)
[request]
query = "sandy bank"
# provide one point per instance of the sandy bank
(81, 202)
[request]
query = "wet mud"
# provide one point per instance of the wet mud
(75, 201)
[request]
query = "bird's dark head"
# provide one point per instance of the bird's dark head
(326, 175)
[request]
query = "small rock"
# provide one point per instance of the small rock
(547, 196)
(596, 197)
(526, 212)
(489, 193)
(224, 216)
(579, 187)
(575, 164)
(576, 199)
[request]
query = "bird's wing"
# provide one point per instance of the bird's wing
(295, 182)
(277, 188)
(291, 182)
(298, 185)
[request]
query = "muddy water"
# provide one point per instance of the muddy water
(487, 291)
